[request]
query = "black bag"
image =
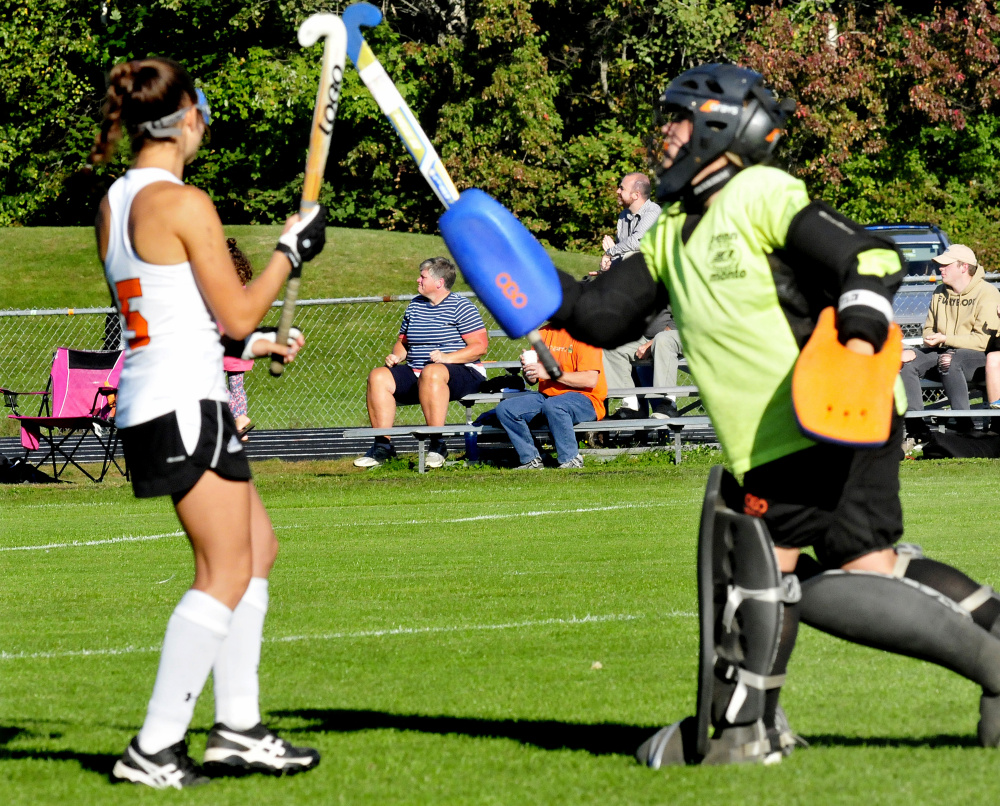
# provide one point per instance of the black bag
(20, 472)
(509, 380)
(949, 445)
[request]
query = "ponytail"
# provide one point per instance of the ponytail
(138, 91)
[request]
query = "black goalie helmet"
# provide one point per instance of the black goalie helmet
(731, 111)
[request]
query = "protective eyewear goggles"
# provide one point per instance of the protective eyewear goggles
(167, 125)
(658, 140)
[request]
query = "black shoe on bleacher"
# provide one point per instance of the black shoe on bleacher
(663, 409)
(626, 414)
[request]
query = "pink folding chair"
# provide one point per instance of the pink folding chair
(79, 400)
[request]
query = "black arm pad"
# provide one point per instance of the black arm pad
(826, 243)
(233, 348)
(614, 307)
(822, 236)
(860, 321)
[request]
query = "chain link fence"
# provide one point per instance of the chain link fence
(345, 339)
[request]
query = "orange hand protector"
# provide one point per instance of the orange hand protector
(843, 397)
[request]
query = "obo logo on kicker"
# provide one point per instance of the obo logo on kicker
(510, 290)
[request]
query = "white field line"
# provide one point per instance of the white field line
(411, 522)
(81, 543)
(506, 515)
(572, 621)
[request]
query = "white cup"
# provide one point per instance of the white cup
(529, 357)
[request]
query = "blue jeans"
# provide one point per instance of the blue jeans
(562, 412)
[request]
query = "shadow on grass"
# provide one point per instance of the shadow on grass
(941, 740)
(93, 762)
(600, 740)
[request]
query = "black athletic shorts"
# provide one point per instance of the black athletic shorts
(842, 501)
(159, 464)
(462, 381)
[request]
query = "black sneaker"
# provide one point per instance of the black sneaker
(663, 409)
(379, 452)
(626, 414)
(238, 752)
(171, 768)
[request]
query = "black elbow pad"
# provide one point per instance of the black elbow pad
(612, 308)
(822, 236)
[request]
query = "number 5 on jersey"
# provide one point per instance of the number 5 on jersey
(136, 327)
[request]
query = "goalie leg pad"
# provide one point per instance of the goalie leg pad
(903, 616)
(740, 605)
(505, 265)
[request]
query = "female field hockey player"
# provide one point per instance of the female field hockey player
(171, 276)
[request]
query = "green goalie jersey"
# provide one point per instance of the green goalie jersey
(743, 315)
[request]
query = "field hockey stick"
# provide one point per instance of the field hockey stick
(331, 28)
(383, 90)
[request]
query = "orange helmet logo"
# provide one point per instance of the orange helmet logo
(709, 106)
(773, 135)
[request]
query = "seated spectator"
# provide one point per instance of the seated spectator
(442, 339)
(662, 343)
(578, 396)
(638, 214)
(962, 315)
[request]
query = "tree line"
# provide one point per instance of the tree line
(543, 104)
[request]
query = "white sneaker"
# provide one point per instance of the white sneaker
(436, 454)
(376, 454)
(575, 462)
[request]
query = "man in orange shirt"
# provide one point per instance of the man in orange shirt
(578, 396)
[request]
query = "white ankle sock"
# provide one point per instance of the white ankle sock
(194, 635)
(237, 702)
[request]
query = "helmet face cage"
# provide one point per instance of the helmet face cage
(731, 111)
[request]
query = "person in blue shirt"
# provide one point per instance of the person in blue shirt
(436, 359)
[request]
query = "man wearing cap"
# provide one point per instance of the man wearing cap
(961, 318)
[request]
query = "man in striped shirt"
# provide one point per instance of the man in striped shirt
(442, 339)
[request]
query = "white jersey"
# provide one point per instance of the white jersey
(173, 356)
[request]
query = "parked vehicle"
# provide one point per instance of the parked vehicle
(918, 243)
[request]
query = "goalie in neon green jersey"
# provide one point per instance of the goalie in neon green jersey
(747, 262)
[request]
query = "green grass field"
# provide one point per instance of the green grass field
(57, 267)
(437, 637)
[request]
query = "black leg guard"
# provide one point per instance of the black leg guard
(980, 600)
(905, 617)
(741, 597)
(775, 720)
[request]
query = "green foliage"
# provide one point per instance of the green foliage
(543, 104)
(898, 115)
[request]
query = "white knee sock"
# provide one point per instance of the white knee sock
(194, 636)
(237, 703)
